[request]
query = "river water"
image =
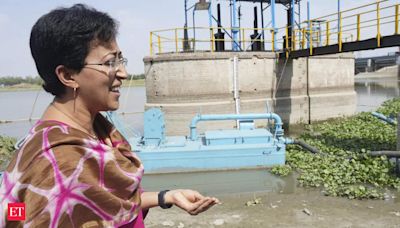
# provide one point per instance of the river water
(19, 106)
(372, 91)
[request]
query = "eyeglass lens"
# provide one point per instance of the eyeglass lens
(115, 65)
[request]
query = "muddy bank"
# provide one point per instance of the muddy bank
(302, 208)
(282, 203)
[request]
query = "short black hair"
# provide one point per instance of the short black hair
(64, 36)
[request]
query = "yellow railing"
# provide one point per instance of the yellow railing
(358, 22)
(172, 40)
(373, 20)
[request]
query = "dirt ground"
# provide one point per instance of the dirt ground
(302, 208)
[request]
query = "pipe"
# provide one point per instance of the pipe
(339, 17)
(262, 20)
(219, 17)
(384, 118)
(273, 22)
(198, 118)
(235, 88)
(219, 36)
(289, 28)
(299, 18)
(309, 23)
(306, 146)
(239, 18)
(255, 23)
(292, 22)
(210, 16)
(235, 27)
(194, 32)
(185, 32)
(301, 143)
(389, 154)
(186, 18)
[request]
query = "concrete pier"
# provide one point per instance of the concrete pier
(301, 90)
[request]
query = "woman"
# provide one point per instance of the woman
(74, 169)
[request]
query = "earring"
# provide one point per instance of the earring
(74, 97)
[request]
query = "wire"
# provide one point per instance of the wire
(280, 78)
(34, 104)
(130, 84)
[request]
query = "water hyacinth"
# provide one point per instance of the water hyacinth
(6, 150)
(281, 170)
(344, 168)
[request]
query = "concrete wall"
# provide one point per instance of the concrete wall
(331, 86)
(188, 83)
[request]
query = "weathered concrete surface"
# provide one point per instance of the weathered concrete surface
(299, 90)
(390, 71)
(331, 86)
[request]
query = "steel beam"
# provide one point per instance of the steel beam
(386, 41)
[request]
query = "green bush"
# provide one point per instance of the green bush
(344, 168)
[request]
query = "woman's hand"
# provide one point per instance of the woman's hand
(190, 201)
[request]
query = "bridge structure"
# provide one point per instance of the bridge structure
(373, 63)
(369, 26)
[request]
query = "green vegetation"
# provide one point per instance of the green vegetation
(12, 83)
(133, 82)
(6, 150)
(12, 80)
(344, 168)
(135, 76)
(281, 170)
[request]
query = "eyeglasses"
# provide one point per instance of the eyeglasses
(113, 65)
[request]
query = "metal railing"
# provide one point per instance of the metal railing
(360, 23)
(172, 40)
(373, 20)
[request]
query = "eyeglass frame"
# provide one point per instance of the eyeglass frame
(113, 66)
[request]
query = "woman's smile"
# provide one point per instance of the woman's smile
(116, 89)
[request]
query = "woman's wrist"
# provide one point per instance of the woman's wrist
(168, 197)
(165, 199)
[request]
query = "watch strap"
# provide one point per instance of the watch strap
(161, 200)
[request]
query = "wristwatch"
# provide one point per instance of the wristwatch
(161, 200)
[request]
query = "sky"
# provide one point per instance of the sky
(137, 19)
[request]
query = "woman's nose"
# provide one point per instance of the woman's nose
(122, 72)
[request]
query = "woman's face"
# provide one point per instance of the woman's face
(100, 80)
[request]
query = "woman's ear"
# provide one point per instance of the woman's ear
(66, 76)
